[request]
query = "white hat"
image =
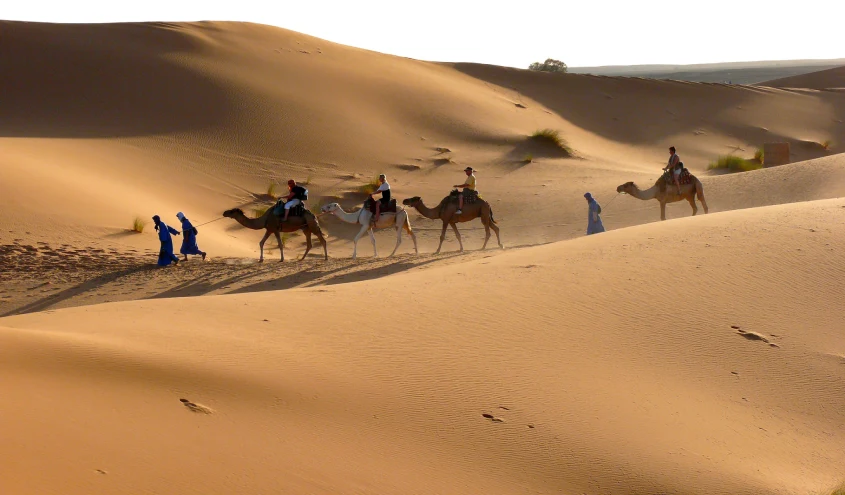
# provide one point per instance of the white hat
(180, 216)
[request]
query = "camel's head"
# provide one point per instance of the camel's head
(234, 212)
(412, 201)
(626, 188)
(330, 208)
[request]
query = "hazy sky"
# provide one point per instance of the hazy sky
(510, 32)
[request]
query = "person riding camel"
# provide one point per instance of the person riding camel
(296, 196)
(469, 183)
(674, 166)
(384, 201)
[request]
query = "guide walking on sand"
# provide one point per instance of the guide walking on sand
(594, 224)
(189, 239)
(165, 254)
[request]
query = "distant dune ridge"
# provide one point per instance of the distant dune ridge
(824, 79)
(701, 355)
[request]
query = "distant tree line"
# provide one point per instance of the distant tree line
(550, 65)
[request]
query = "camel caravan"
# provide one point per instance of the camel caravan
(463, 204)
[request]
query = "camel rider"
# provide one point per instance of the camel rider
(384, 190)
(675, 167)
(469, 183)
(296, 196)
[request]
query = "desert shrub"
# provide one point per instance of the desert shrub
(550, 65)
(553, 137)
(734, 163)
(138, 224)
(370, 187)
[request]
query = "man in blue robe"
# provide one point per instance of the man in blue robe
(594, 225)
(189, 238)
(165, 255)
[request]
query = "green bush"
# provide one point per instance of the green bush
(550, 65)
(734, 163)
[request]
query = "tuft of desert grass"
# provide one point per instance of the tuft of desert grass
(369, 187)
(734, 163)
(271, 190)
(758, 155)
(138, 224)
(552, 136)
(826, 145)
(528, 158)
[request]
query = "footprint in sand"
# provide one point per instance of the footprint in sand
(493, 418)
(194, 407)
(753, 336)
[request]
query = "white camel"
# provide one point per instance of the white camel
(363, 217)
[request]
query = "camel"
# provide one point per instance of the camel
(363, 217)
(273, 225)
(445, 211)
(665, 193)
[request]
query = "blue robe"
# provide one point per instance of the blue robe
(166, 256)
(594, 227)
(189, 239)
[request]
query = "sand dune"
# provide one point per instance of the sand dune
(604, 382)
(697, 355)
(823, 79)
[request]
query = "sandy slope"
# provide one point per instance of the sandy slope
(611, 361)
(823, 79)
(604, 381)
(103, 123)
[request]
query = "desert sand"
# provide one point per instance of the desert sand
(700, 355)
(830, 79)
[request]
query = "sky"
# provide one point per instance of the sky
(509, 32)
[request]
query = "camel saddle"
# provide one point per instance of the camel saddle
(370, 204)
(684, 178)
(470, 196)
(295, 211)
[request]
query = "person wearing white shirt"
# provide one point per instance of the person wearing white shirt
(384, 190)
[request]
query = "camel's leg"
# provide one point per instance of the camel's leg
(458, 235)
(699, 191)
(373, 239)
(281, 246)
(307, 232)
(442, 237)
(691, 199)
(485, 220)
(364, 228)
(398, 238)
(663, 210)
(323, 242)
(411, 233)
(496, 230)
(261, 245)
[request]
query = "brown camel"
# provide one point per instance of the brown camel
(445, 211)
(273, 225)
(667, 193)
